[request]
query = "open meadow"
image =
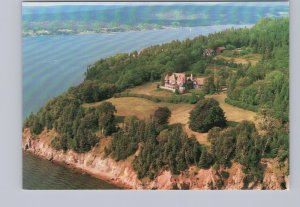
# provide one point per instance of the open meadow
(253, 59)
(143, 108)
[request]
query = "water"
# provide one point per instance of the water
(51, 64)
(42, 174)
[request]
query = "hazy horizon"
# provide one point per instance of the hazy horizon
(51, 4)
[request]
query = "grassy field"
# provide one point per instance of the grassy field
(233, 113)
(246, 59)
(150, 89)
(143, 108)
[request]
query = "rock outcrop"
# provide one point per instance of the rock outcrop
(122, 174)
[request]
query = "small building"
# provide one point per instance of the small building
(208, 52)
(219, 50)
(199, 82)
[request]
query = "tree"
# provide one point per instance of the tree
(222, 145)
(206, 115)
(37, 127)
(248, 151)
(106, 119)
(199, 67)
(209, 86)
(206, 159)
(189, 84)
(162, 115)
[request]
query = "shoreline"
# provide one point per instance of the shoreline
(136, 30)
(122, 175)
(120, 185)
(116, 173)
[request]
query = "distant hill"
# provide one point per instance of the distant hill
(159, 14)
(91, 17)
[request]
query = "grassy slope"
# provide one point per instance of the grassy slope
(142, 108)
(150, 89)
(246, 59)
(233, 113)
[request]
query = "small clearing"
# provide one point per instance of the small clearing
(150, 89)
(233, 113)
(251, 58)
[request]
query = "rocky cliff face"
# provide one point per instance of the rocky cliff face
(122, 174)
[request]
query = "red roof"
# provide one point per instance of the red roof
(220, 49)
(176, 78)
(200, 81)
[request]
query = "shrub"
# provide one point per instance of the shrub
(224, 174)
(162, 115)
(206, 115)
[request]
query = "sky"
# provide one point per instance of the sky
(112, 3)
(138, 3)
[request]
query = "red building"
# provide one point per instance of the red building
(178, 81)
(219, 50)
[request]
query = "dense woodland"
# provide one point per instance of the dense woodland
(263, 87)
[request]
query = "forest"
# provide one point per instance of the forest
(263, 88)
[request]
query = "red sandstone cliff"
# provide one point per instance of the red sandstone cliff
(122, 174)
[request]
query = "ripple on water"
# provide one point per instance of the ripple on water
(43, 174)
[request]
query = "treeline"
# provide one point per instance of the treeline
(241, 104)
(92, 91)
(261, 86)
(223, 62)
(157, 146)
(75, 125)
(241, 144)
(174, 98)
(160, 147)
(71, 27)
(265, 85)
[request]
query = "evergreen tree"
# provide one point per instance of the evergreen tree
(106, 120)
(205, 159)
(206, 115)
(161, 115)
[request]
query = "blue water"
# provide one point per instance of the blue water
(51, 64)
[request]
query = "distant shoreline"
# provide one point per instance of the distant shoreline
(129, 30)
